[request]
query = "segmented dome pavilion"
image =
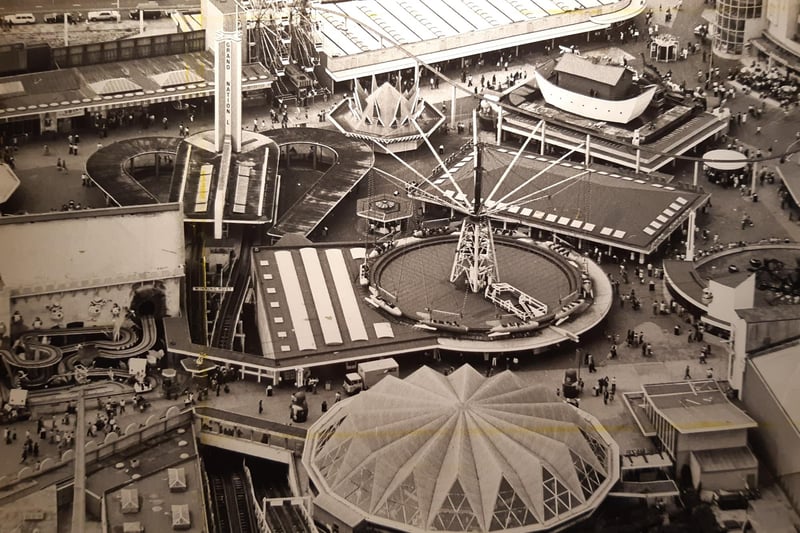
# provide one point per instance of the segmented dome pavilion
(461, 453)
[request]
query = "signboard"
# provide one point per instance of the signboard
(212, 289)
(228, 87)
(68, 113)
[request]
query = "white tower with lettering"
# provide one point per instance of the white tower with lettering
(228, 85)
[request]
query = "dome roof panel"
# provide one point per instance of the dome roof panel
(461, 452)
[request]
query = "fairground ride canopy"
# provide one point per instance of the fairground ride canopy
(461, 453)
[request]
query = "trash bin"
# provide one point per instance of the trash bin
(269, 390)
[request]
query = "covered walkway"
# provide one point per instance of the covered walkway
(353, 159)
(105, 168)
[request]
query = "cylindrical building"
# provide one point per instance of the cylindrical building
(737, 22)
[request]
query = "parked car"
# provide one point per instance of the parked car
(20, 18)
(56, 18)
(148, 14)
(108, 16)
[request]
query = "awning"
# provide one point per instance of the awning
(725, 160)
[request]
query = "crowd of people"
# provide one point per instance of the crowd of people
(775, 83)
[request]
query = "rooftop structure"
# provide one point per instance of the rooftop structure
(249, 197)
(460, 453)
(594, 90)
(77, 90)
(754, 282)
(387, 118)
(358, 38)
(564, 198)
(696, 407)
(106, 253)
(700, 429)
(585, 68)
(634, 123)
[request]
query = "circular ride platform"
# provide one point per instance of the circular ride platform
(415, 278)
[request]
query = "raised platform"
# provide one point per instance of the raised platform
(586, 207)
(653, 156)
(688, 279)
(252, 179)
(353, 159)
(105, 168)
(415, 278)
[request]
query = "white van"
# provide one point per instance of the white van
(20, 18)
(110, 15)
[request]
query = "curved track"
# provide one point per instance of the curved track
(45, 356)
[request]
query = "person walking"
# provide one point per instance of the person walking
(260, 406)
(686, 374)
(710, 373)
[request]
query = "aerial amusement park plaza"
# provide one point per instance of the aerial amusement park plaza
(386, 265)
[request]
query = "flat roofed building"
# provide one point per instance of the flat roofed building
(103, 259)
(698, 426)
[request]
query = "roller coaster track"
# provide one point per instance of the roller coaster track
(229, 503)
(127, 345)
(243, 514)
(218, 503)
(231, 305)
